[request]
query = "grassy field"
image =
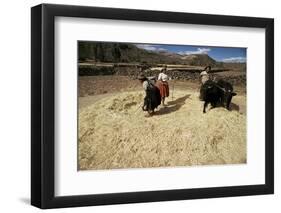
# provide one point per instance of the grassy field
(115, 133)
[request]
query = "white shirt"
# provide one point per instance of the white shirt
(147, 85)
(163, 77)
(204, 77)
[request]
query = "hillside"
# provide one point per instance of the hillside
(199, 60)
(236, 66)
(129, 53)
(120, 53)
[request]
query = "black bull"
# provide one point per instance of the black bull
(217, 93)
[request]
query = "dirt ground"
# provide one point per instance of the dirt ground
(115, 133)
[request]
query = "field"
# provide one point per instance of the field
(115, 133)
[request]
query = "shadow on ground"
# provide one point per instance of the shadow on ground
(173, 105)
(234, 107)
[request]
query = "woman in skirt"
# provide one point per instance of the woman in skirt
(163, 86)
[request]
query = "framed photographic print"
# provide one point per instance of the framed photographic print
(139, 106)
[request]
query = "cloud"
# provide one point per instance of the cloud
(235, 60)
(198, 51)
(150, 47)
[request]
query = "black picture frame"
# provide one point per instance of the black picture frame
(43, 102)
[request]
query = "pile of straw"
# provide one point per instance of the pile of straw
(115, 133)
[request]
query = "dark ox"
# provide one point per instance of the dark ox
(217, 93)
(228, 93)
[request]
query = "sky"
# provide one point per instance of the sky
(223, 54)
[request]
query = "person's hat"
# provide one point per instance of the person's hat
(141, 77)
(208, 68)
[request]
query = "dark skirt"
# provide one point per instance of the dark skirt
(152, 99)
(163, 87)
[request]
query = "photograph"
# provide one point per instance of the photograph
(135, 105)
(160, 105)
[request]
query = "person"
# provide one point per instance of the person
(205, 74)
(204, 77)
(152, 97)
(162, 85)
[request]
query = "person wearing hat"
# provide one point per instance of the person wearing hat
(204, 75)
(163, 85)
(152, 97)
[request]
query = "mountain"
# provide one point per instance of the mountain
(199, 60)
(192, 59)
(170, 54)
(120, 52)
(129, 53)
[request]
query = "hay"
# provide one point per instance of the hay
(114, 133)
